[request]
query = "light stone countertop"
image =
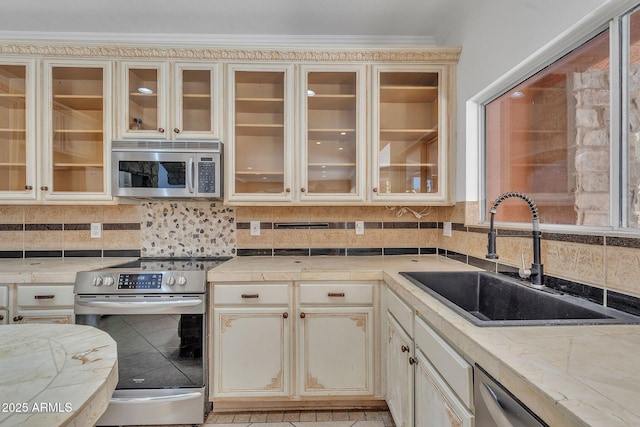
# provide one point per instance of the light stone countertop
(568, 375)
(54, 375)
(51, 270)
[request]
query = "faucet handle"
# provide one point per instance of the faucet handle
(524, 272)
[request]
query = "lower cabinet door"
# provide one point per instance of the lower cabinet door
(400, 376)
(336, 348)
(251, 352)
(435, 404)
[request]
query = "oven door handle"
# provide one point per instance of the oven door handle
(169, 398)
(141, 304)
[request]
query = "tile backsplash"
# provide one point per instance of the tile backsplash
(189, 229)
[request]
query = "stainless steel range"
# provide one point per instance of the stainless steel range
(156, 311)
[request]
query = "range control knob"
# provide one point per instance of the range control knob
(96, 281)
(171, 280)
(182, 280)
(108, 281)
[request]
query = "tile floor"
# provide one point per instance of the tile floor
(337, 418)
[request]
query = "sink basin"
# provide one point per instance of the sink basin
(490, 299)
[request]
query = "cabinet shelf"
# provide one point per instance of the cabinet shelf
(13, 164)
(254, 129)
(78, 131)
(80, 102)
(78, 165)
(13, 98)
(10, 130)
(408, 94)
(407, 134)
(332, 102)
(259, 105)
(406, 165)
(332, 165)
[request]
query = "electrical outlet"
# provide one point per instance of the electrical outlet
(96, 230)
(359, 227)
(446, 229)
(255, 228)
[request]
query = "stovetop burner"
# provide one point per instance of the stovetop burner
(172, 264)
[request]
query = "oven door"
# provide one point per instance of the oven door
(162, 363)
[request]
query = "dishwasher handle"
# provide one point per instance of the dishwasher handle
(494, 406)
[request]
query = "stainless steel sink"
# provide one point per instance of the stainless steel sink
(490, 299)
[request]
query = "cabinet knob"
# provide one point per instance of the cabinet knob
(413, 361)
(17, 318)
(302, 315)
(44, 188)
(303, 189)
(375, 189)
(28, 187)
(288, 190)
(1, 317)
(405, 348)
(285, 315)
(161, 130)
(176, 130)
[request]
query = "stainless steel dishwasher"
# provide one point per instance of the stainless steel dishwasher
(497, 407)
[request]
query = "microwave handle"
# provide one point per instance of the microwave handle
(190, 175)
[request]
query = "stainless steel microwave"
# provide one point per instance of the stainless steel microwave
(166, 169)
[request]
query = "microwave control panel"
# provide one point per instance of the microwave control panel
(206, 175)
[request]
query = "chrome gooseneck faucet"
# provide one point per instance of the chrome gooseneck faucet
(536, 275)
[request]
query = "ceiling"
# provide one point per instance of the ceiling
(409, 22)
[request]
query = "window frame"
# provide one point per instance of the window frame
(615, 18)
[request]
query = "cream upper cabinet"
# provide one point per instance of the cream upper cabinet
(18, 129)
(412, 127)
(169, 100)
(332, 143)
(260, 133)
(76, 139)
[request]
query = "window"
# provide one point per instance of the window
(548, 137)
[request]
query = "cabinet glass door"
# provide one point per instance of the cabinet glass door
(409, 134)
(13, 128)
(145, 105)
(334, 104)
(196, 102)
(260, 142)
(78, 123)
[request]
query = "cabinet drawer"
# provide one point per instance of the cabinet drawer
(450, 365)
(336, 294)
(400, 311)
(45, 296)
(251, 294)
(4, 297)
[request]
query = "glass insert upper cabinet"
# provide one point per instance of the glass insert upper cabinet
(78, 117)
(17, 130)
(332, 143)
(411, 133)
(169, 101)
(260, 132)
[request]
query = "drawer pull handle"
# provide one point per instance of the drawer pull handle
(246, 296)
(1, 317)
(413, 361)
(17, 318)
(285, 315)
(302, 315)
(44, 296)
(405, 348)
(335, 294)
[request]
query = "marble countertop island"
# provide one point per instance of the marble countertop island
(568, 375)
(55, 375)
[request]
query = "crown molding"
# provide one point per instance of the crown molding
(225, 40)
(159, 51)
